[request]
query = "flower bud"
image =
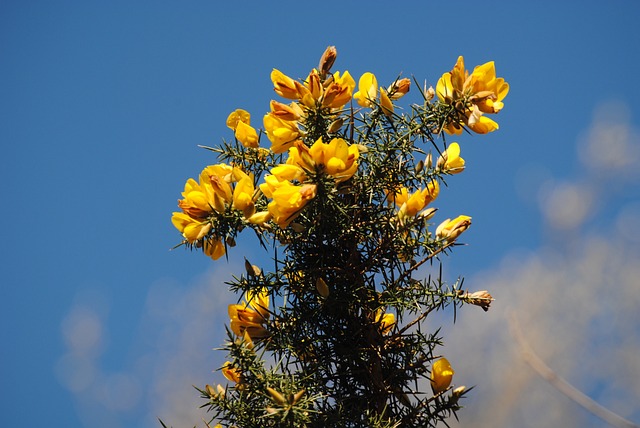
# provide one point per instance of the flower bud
(399, 88)
(322, 287)
(449, 229)
(326, 61)
(478, 298)
(277, 397)
(335, 125)
(429, 93)
(252, 270)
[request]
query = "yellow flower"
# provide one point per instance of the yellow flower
(238, 116)
(472, 94)
(250, 317)
(385, 103)
(411, 205)
(247, 135)
(214, 248)
(282, 133)
(198, 199)
(231, 373)
(243, 196)
(287, 87)
(240, 121)
(337, 159)
(449, 229)
(367, 90)
(291, 112)
(450, 161)
(386, 320)
(479, 123)
(441, 375)
(339, 92)
(289, 200)
(192, 229)
(260, 217)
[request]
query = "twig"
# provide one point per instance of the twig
(561, 384)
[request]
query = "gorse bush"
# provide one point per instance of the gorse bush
(339, 187)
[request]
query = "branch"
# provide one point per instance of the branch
(561, 384)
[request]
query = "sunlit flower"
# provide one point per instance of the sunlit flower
(247, 135)
(243, 196)
(240, 122)
(367, 90)
(450, 161)
(441, 375)
(251, 316)
(237, 116)
(231, 373)
(213, 248)
(282, 133)
(337, 159)
(291, 112)
(449, 229)
(289, 200)
(411, 205)
(473, 95)
(192, 229)
(385, 103)
(339, 92)
(287, 87)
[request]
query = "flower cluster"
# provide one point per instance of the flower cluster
(343, 193)
(472, 95)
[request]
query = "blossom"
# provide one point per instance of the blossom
(243, 196)
(449, 229)
(230, 372)
(450, 161)
(411, 205)
(367, 90)
(473, 95)
(286, 87)
(239, 121)
(214, 248)
(337, 159)
(385, 103)
(339, 92)
(386, 321)
(441, 375)
(251, 316)
(282, 133)
(289, 200)
(191, 228)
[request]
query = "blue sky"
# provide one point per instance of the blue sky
(103, 104)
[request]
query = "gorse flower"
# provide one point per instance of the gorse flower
(472, 95)
(441, 375)
(336, 159)
(450, 161)
(251, 316)
(239, 121)
(449, 230)
(411, 204)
